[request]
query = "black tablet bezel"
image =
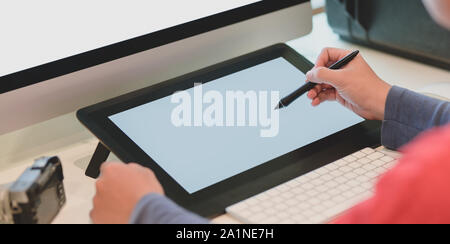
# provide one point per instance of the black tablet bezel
(122, 49)
(213, 200)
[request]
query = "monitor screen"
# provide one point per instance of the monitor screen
(198, 154)
(48, 38)
(39, 32)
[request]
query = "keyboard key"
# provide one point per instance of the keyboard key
(262, 197)
(273, 192)
(257, 208)
(328, 204)
(358, 190)
(355, 165)
(341, 180)
(336, 173)
(312, 175)
(378, 163)
(369, 167)
(270, 220)
(246, 214)
(308, 213)
(267, 204)
(322, 171)
(287, 195)
(318, 209)
(348, 194)
(338, 199)
(302, 198)
(371, 174)
(283, 215)
(375, 155)
(331, 184)
(387, 159)
(282, 188)
(281, 207)
(307, 186)
(312, 193)
(380, 170)
(291, 202)
(390, 165)
(302, 180)
(326, 178)
(270, 211)
(331, 167)
(358, 155)
(334, 192)
(317, 182)
(350, 175)
(341, 163)
(299, 219)
(353, 183)
(345, 169)
(292, 184)
(293, 210)
(303, 206)
(252, 201)
(321, 188)
(313, 201)
(367, 186)
(239, 207)
(368, 151)
(360, 171)
(298, 190)
(364, 161)
(362, 179)
(317, 218)
(324, 196)
(350, 159)
(257, 218)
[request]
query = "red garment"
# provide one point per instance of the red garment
(417, 190)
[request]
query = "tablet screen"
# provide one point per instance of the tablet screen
(227, 126)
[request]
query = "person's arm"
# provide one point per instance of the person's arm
(405, 114)
(158, 209)
(130, 193)
(408, 114)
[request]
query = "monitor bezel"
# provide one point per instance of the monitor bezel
(132, 46)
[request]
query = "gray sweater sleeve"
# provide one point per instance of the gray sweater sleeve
(157, 209)
(408, 114)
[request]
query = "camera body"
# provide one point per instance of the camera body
(37, 196)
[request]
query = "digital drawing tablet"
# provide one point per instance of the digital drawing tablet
(213, 138)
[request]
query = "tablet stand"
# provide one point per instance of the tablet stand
(101, 154)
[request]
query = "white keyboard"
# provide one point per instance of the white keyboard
(321, 195)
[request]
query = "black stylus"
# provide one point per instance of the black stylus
(310, 85)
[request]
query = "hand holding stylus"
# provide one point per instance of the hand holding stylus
(356, 86)
(286, 101)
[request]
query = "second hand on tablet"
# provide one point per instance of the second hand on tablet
(310, 85)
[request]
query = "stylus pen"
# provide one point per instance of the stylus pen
(310, 85)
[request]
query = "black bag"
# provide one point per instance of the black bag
(401, 27)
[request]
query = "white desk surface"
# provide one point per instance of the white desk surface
(65, 137)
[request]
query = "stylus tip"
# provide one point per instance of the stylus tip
(279, 106)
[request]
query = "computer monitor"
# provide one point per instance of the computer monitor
(59, 56)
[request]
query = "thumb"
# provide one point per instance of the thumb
(322, 75)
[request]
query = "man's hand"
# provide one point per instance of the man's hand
(356, 86)
(119, 188)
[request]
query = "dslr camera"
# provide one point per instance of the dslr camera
(36, 197)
